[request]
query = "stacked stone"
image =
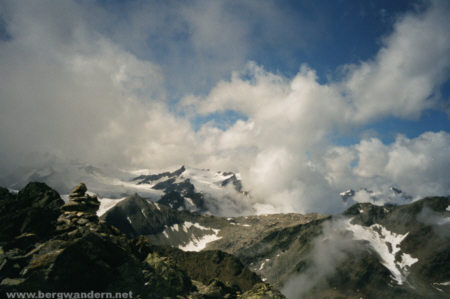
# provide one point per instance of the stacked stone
(81, 202)
(79, 212)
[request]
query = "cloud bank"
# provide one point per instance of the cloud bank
(73, 89)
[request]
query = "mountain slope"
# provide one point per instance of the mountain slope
(368, 250)
(199, 190)
(49, 245)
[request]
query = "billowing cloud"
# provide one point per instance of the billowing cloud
(414, 165)
(74, 88)
(284, 152)
(403, 78)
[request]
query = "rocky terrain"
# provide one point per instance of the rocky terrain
(158, 247)
(47, 244)
(197, 190)
(367, 251)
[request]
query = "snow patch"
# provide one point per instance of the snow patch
(198, 225)
(190, 206)
(447, 283)
(66, 199)
(379, 239)
(262, 264)
(14, 191)
(198, 244)
(348, 193)
(107, 204)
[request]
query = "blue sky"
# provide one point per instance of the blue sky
(325, 35)
(304, 98)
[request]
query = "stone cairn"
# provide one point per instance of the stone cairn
(79, 213)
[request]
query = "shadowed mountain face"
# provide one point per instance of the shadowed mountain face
(367, 251)
(48, 245)
(195, 190)
(157, 251)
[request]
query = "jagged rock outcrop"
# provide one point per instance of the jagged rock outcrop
(47, 245)
(33, 210)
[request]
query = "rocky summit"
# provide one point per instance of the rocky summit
(49, 245)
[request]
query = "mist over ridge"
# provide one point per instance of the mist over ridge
(78, 89)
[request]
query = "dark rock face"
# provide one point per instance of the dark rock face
(47, 245)
(33, 210)
(147, 179)
(136, 216)
(175, 194)
(426, 240)
(204, 265)
(234, 181)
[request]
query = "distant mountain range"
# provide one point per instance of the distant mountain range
(182, 220)
(368, 251)
(201, 190)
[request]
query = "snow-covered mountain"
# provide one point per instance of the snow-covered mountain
(196, 190)
(386, 195)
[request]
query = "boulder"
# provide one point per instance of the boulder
(34, 210)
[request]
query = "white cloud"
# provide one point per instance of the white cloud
(417, 166)
(69, 89)
(405, 74)
(289, 121)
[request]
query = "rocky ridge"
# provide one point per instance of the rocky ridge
(373, 251)
(49, 245)
(190, 189)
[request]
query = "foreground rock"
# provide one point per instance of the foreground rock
(47, 245)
